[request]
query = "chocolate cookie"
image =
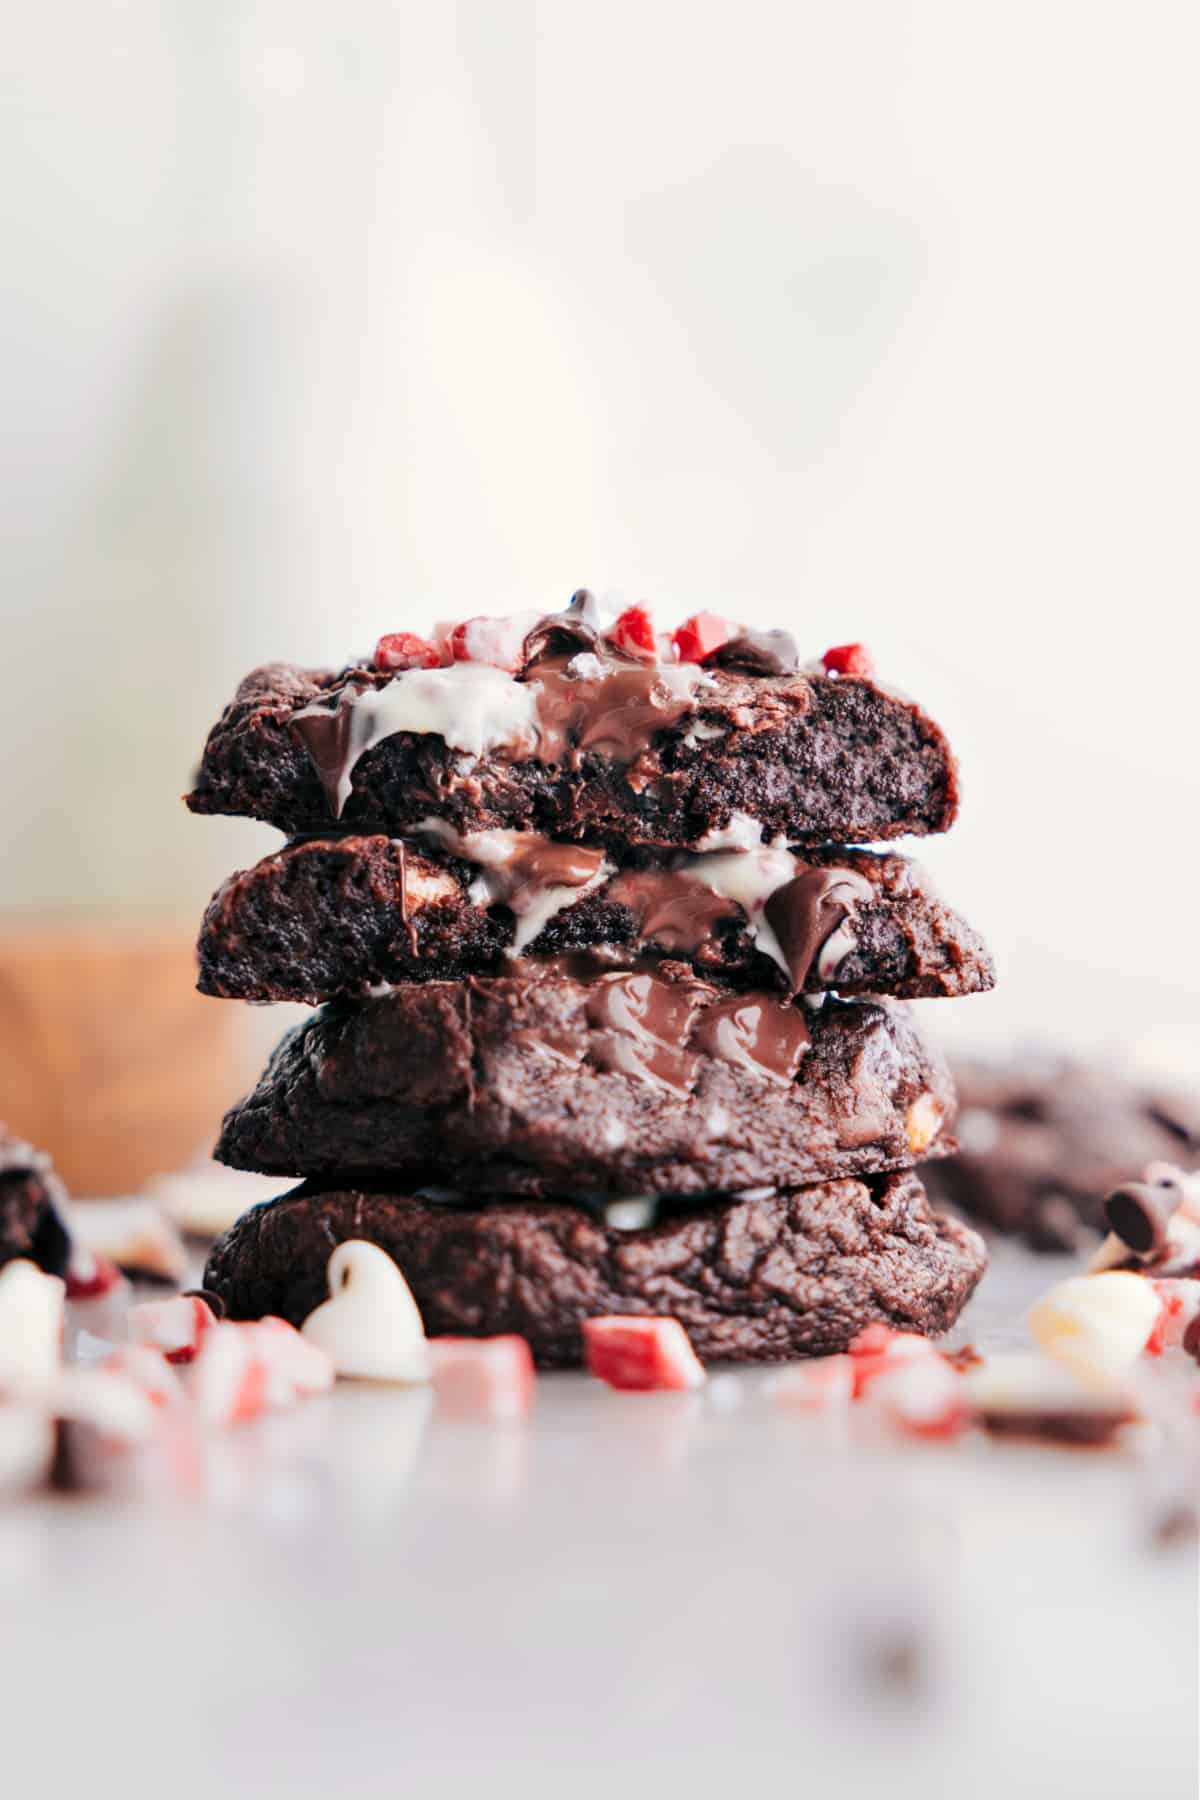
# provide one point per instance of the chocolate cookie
(752, 1279)
(328, 917)
(32, 1207)
(1043, 1140)
(624, 1084)
(589, 747)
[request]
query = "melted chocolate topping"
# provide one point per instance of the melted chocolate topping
(537, 863)
(759, 653)
(614, 710)
(657, 1030)
(586, 699)
(760, 1035)
(671, 907)
(641, 1027)
(565, 633)
(332, 739)
(806, 913)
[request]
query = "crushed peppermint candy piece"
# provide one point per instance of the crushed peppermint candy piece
(174, 1326)
(633, 632)
(848, 659)
(923, 1397)
(879, 1348)
(490, 1378)
(244, 1369)
(370, 1325)
(1097, 1325)
(110, 1400)
(400, 650)
(639, 1354)
(91, 1277)
(300, 1365)
(1178, 1326)
(498, 642)
(150, 1370)
(702, 636)
(229, 1380)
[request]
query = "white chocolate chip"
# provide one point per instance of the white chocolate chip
(31, 1327)
(1096, 1325)
(630, 1215)
(741, 833)
(370, 1324)
(922, 1122)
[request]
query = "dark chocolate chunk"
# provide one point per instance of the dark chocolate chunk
(1037, 1128)
(751, 1280)
(1138, 1212)
(758, 653)
(565, 633)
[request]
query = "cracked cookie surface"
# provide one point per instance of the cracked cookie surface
(756, 1278)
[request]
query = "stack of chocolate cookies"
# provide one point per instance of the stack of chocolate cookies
(609, 1020)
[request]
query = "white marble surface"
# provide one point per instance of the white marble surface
(697, 1592)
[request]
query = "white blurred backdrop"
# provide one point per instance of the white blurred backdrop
(877, 320)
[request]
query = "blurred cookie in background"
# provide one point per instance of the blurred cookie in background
(1044, 1137)
(33, 1205)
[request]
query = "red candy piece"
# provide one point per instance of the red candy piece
(923, 1397)
(405, 650)
(878, 1349)
(231, 1379)
(174, 1326)
(1179, 1311)
(500, 642)
(490, 1378)
(640, 1354)
(701, 636)
(848, 659)
(633, 633)
(148, 1367)
(294, 1364)
(91, 1279)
